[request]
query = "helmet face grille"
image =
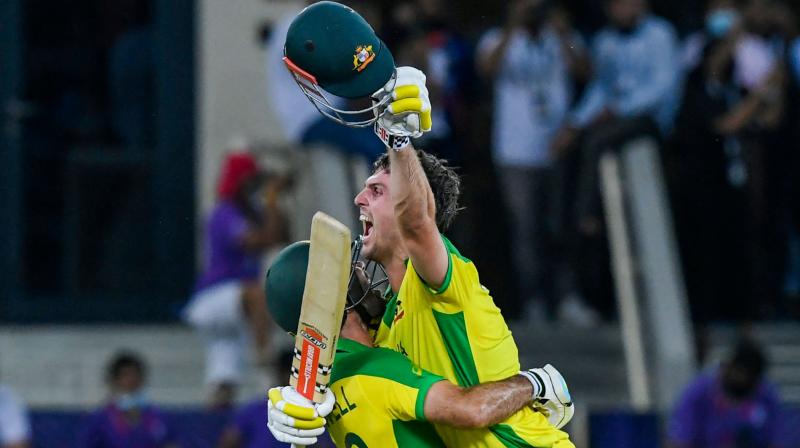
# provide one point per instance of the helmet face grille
(355, 118)
(375, 275)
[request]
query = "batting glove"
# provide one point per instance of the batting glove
(408, 113)
(553, 398)
(294, 419)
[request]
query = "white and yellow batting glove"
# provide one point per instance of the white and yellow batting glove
(294, 419)
(551, 395)
(408, 113)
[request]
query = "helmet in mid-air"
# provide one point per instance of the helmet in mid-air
(331, 48)
(286, 279)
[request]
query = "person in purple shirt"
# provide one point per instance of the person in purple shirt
(128, 420)
(228, 302)
(733, 406)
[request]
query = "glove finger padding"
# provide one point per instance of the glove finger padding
(404, 77)
(318, 422)
(283, 437)
(414, 106)
(409, 91)
(417, 105)
(407, 76)
(293, 404)
(288, 425)
(407, 117)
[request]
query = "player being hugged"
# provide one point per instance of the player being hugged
(437, 315)
(378, 396)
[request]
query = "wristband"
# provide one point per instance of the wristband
(396, 142)
(536, 382)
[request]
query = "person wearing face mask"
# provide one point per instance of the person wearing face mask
(731, 406)
(722, 19)
(731, 156)
(128, 419)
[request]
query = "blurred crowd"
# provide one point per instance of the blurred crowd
(527, 102)
(129, 417)
(527, 95)
(732, 403)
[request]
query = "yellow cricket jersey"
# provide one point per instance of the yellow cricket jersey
(458, 332)
(380, 397)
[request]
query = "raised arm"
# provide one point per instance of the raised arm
(413, 204)
(489, 60)
(415, 212)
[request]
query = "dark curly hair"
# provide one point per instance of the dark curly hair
(444, 181)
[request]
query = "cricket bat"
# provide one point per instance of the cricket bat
(323, 307)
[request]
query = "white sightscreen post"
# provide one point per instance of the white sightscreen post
(664, 294)
(625, 282)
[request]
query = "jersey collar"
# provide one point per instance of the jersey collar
(350, 346)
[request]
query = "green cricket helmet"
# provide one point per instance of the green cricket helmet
(286, 279)
(284, 285)
(331, 48)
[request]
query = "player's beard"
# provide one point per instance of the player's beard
(370, 248)
(380, 246)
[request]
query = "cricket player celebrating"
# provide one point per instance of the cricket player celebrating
(439, 315)
(381, 397)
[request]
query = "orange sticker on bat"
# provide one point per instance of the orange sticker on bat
(307, 373)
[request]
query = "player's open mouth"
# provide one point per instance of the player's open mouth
(367, 223)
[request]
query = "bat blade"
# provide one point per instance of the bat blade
(323, 307)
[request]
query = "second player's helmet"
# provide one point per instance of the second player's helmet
(331, 48)
(286, 279)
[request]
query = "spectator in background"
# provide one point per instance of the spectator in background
(708, 170)
(632, 94)
(248, 428)
(129, 419)
(729, 146)
(722, 17)
(532, 61)
(15, 429)
(299, 119)
(794, 52)
(246, 222)
(422, 34)
(731, 406)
